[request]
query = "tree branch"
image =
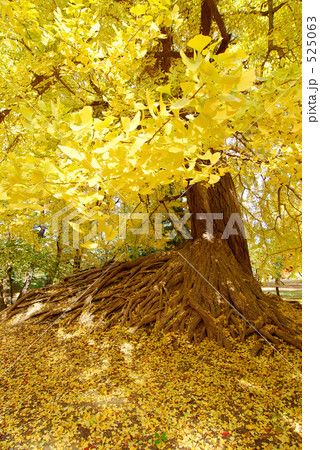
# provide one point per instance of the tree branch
(271, 47)
(166, 50)
(3, 114)
(210, 10)
(58, 77)
(10, 146)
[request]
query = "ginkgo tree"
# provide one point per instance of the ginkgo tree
(159, 107)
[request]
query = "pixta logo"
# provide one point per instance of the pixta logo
(67, 222)
(234, 226)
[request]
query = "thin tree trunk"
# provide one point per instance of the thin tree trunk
(55, 267)
(7, 287)
(2, 303)
(278, 282)
(26, 284)
(77, 260)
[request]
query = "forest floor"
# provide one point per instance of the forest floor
(117, 390)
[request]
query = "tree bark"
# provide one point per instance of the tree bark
(7, 287)
(219, 199)
(26, 284)
(77, 260)
(166, 48)
(2, 303)
(55, 267)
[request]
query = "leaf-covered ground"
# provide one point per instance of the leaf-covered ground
(116, 390)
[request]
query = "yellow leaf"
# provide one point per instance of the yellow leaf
(265, 129)
(209, 70)
(42, 105)
(188, 87)
(86, 199)
(55, 111)
(163, 109)
(224, 113)
(90, 245)
(191, 64)
(76, 227)
(207, 155)
(72, 153)
(94, 180)
(95, 164)
(199, 42)
(86, 115)
(125, 123)
(175, 149)
(150, 104)
(139, 9)
(85, 163)
(3, 196)
(100, 125)
(214, 179)
(139, 106)
(222, 171)
(230, 57)
(181, 103)
(78, 128)
(246, 80)
(135, 121)
(27, 206)
(109, 231)
(228, 98)
(166, 89)
(214, 158)
(210, 106)
(48, 167)
(26, 112)
(229, 81)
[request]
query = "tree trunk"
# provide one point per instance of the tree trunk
(26, 284)
(77, 260)
(278, 283)
(2, 303)
(55, 267)
(7, 287)
(219, 199)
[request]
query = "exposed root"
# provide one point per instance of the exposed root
(256, 349)
(164, 291)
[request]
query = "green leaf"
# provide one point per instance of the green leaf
(164, 437)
